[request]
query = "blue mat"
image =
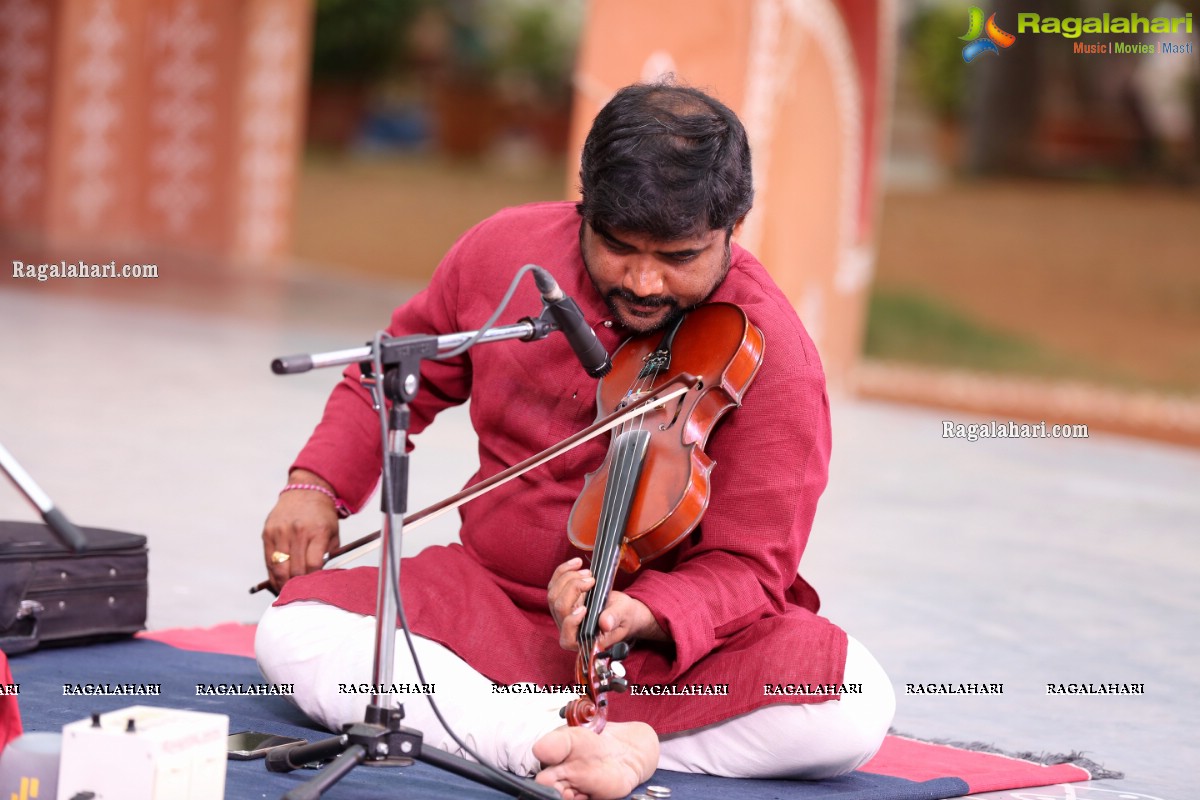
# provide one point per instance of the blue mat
(44, 708)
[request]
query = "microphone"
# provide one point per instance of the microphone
(570, 321)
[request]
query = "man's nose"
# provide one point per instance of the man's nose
(643, 277)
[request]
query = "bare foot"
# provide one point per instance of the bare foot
(583, 765)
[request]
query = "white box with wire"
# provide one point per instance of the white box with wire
(145, 753)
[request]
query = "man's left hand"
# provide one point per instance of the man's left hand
(624, 618)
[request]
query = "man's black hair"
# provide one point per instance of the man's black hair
(665, 160)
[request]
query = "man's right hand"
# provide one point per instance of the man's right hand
(303, 526)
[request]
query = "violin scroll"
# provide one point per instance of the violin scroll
(599, 674)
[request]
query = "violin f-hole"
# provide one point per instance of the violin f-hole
(674, 417)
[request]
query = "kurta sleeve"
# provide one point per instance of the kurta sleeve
(345, 447)
(772, 458)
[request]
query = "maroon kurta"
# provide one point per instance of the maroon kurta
(730, 599)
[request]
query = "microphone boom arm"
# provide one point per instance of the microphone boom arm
(527, 330)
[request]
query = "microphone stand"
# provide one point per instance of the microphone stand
(380, 736)
(70, 536)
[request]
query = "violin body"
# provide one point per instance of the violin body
(653, 487)
(717, 344)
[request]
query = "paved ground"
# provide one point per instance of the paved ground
(1024, 562)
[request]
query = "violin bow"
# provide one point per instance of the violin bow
(369, 543)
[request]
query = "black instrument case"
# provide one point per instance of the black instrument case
(50, 595)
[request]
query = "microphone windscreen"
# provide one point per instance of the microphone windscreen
(544, 280)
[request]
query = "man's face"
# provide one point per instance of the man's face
(647, 282)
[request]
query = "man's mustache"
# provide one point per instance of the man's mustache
(630, 297)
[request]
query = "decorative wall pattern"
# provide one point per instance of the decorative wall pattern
(184, 94)
(160, 122)
(271, 94)
(24, 67)
(95, 117)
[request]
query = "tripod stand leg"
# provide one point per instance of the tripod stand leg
(286, 759)
(480, 774)
(353, 755)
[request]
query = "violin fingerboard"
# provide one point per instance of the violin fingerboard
(625, 471)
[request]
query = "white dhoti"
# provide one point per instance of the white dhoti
(327, 653)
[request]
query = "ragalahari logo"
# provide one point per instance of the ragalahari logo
(983, 38)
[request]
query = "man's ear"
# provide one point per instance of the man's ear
(737, 226)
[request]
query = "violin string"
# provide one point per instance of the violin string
(625, 471)
(604, 555)
(600, 558)
(621, 472)
(608, 535)
(644, 381)
(621, 497)
(603, 550)
(600, 552)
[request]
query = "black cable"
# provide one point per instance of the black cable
(512, 288)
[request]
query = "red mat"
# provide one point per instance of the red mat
(916, 760)
(228, 638)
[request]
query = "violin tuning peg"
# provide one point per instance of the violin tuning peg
(617, 652)
(562, 712)
(618, 685)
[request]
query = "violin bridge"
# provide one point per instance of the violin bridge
(631, 397)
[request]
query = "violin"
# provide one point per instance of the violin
(653, 487)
